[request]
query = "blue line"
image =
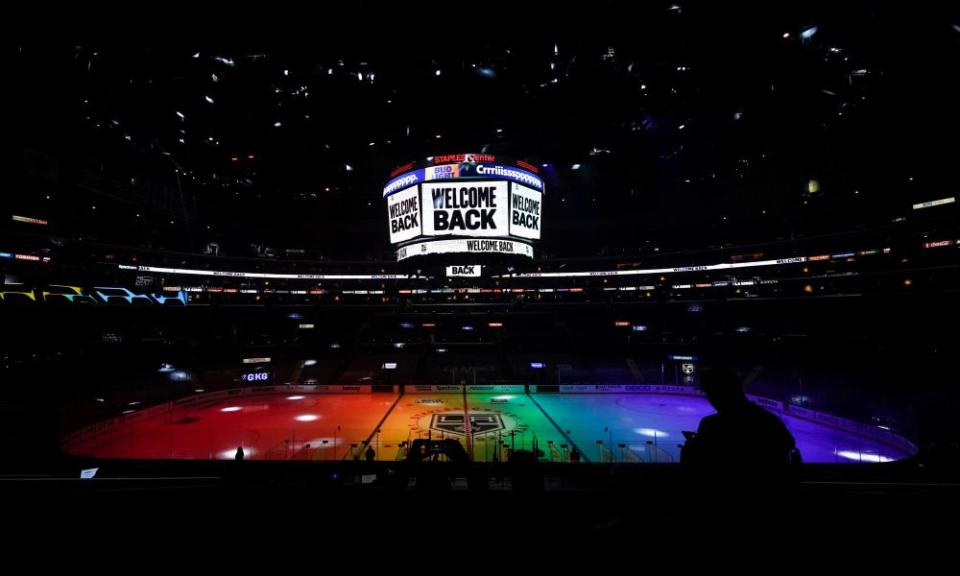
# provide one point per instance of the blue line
(583, 454)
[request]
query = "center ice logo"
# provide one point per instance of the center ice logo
(453, 423)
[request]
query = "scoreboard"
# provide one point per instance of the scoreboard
(467, 204)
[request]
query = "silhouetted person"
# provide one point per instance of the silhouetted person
(741, 458)
(741, 436)
(574, 456)
(239, 454)
(370, 455)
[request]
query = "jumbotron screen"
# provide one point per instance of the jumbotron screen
(465, 204)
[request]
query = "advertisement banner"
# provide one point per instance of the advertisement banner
(445, 172)
(426, 388)
(628, 388)
(496, 388)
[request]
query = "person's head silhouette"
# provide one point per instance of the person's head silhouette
(723, 389)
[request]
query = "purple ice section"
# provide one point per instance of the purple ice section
(650, 428)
